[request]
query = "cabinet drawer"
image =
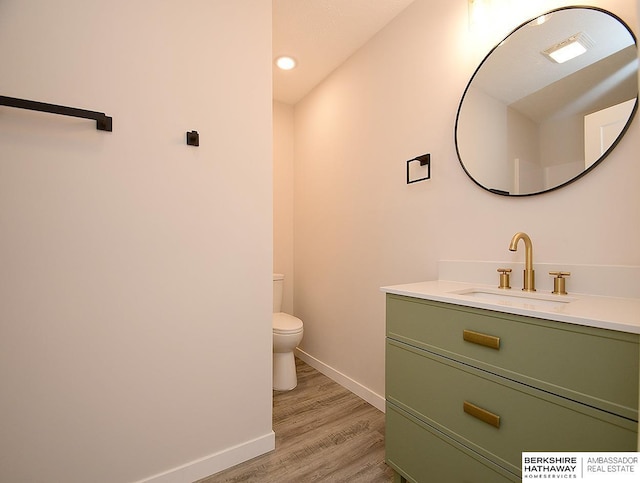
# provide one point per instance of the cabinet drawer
(599, 367)
(434, 389)
(421, 453)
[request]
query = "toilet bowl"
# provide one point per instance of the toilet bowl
(287, 334)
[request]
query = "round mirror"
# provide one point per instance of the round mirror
(549, 102)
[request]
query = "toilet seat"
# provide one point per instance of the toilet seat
(286, 324)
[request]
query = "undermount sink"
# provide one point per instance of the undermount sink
(526, 300)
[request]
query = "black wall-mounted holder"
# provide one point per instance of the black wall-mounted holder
(424, 160)
(193, 138)
(103, 122)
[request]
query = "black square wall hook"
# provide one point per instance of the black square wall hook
(193, 138)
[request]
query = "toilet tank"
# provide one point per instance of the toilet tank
(278, 283)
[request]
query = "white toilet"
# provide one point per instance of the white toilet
(287, 334)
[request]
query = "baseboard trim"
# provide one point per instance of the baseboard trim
(355, 387)
(216, 462)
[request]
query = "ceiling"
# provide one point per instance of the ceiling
(521, 56)
(321, 35)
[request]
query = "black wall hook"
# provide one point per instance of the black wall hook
(193, 138)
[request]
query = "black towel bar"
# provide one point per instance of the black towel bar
(103, 122)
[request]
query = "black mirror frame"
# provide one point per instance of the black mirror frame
(594, 164)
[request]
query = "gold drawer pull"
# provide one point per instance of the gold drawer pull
(482, 339)
(481, 414)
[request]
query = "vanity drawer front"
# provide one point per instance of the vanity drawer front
(598, 367)
(435, 389)
(421, 453)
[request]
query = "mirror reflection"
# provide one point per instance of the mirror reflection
(530, 122)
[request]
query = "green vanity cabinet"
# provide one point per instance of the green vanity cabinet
(468, 390)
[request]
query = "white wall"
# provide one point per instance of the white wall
(485, 148)
(638, 18)
(127, 259)
(358, 226)
(283, 205)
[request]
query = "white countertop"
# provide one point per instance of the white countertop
(622, 314)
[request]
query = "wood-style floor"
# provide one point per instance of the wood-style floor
(323, 433)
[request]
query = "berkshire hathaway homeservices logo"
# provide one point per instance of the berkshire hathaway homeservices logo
(617, 467)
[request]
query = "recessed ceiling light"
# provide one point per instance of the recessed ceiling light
(569, 48)
(286, 63)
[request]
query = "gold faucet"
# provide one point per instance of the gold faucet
(529, 277)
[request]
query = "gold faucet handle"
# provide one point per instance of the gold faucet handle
(504, 277)
(559, 282)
